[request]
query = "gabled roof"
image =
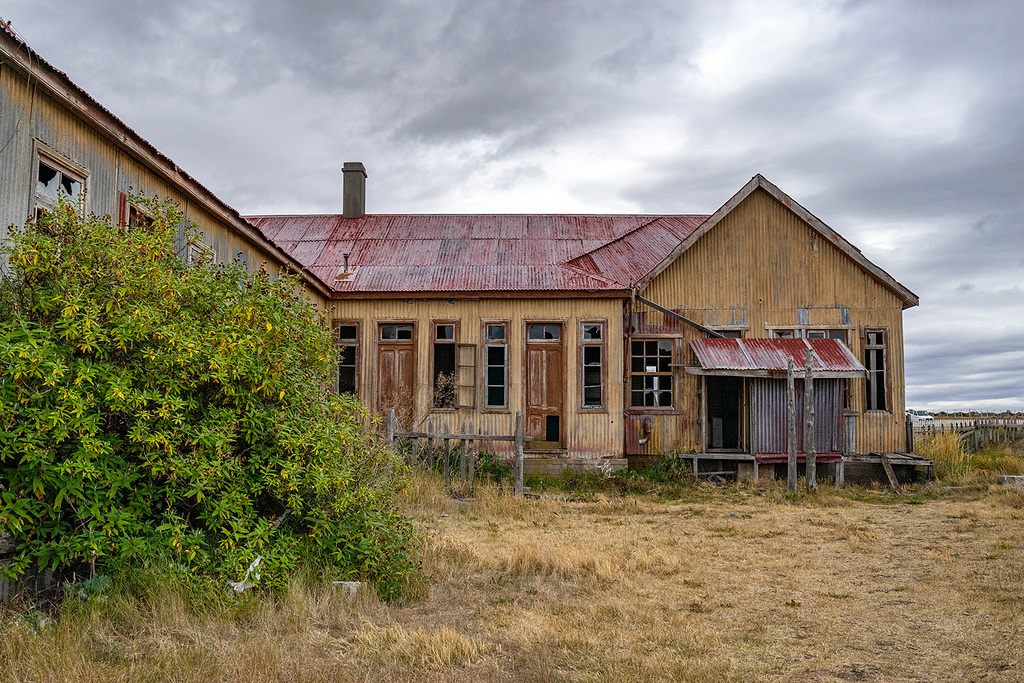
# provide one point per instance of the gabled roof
(492, 253)
(834, 238)
(488, 254)
(17, 53)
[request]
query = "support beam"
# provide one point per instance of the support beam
(811, 471)
(672, 314)
(791, 475)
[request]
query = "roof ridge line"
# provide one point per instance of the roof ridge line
(611, 242)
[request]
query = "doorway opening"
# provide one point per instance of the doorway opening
(723, 401)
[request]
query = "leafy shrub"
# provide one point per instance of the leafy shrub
(157, 413)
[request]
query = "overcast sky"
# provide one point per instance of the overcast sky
(900, 124)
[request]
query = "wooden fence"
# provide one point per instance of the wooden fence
(424, 445)
(974, 433)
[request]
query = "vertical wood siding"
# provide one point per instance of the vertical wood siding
(763, 260)
(587, 433)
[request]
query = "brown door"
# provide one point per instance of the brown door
(396, 372)
(545, 383)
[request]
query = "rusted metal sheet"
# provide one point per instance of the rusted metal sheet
(771, 355)
(459, 253)
(769, 420)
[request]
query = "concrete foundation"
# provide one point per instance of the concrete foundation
(554, 466)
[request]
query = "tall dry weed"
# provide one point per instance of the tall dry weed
(947, 452)
(1000, 458)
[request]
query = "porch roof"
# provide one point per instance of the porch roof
(768, 357)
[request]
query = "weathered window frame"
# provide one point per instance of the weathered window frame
(668, 371)
(875, 373)
(487, 343)
(602, 347)
(453, 342)
(356, 345)
(54, 160)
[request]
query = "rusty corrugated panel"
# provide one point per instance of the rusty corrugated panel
(413, 253)
(829, 355)
(629, 257)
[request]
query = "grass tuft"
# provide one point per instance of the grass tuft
(946, 451)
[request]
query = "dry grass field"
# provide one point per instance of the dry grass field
(732, 584)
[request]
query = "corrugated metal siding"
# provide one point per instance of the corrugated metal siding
(587, 433)
(769, 418)
(110, 170)
(764, 259)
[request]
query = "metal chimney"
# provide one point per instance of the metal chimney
(354, 193)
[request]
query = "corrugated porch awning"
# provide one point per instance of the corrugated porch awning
(769, 357)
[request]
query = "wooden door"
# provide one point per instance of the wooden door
(545, 386)
(396, 378)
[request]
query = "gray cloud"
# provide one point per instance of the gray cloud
(897, 122)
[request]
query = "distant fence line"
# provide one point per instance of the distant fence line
(433, 447)
(974, 433)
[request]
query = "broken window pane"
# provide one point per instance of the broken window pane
(545, 332)
(49, 181)
(395, 332)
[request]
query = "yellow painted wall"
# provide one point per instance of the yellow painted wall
(587, 433)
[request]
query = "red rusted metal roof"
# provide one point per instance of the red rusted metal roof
(478, 253)
(769, 357)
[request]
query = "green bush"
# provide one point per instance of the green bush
(167, 415)
(498, 468)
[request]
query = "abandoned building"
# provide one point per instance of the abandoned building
(616, 336)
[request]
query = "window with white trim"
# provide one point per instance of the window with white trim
(651, 373)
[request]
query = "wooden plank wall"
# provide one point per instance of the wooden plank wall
(589, 433)
(763, 260)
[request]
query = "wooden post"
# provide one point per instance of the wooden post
(415, 450)
(809, 445)
(447, 463)
(389, 427)
(462, 458)
(791, 423)
(430, 446)
(910, 434)
(519, 453)
(471, 465)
